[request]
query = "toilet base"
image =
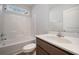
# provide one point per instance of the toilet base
(28, 53)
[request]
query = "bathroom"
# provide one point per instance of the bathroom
(39, 29)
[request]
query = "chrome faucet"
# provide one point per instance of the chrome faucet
(60, 34)
(2, 37)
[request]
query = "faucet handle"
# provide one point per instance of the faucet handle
(2, 35)
(3, 39)
(64, 30)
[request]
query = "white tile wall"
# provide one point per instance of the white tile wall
(17, 25)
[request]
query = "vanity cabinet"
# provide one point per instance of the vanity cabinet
(45, 48)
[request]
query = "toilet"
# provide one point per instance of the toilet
(29, 48)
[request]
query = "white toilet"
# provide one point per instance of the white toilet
(29, 48)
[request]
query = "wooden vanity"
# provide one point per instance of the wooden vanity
(45, 48)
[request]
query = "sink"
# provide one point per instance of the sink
(63, 40)
(58, 39)
(52, 37)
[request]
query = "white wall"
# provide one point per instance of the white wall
(1, 19)
(40, 17)
(0, 24)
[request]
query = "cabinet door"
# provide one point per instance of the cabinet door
(40, 51)
(51, 49)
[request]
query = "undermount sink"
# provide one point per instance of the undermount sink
(58, 39)
(63, 40)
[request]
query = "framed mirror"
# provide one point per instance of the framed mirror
(64, 18)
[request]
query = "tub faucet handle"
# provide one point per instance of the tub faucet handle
(2, 35)
(3, 39)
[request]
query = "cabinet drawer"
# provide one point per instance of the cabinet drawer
(51, 49)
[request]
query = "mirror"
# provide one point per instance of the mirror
(55, 18)
(71, 19)
(64, 18)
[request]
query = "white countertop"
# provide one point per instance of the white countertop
(69, 44)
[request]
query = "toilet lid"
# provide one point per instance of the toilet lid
(29, 46)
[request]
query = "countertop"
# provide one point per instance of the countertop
(70, 44)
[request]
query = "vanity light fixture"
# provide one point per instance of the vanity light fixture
(15, 9)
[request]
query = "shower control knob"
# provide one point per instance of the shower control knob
(2, 35)
(5, 39)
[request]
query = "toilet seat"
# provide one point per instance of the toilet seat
(29, 47)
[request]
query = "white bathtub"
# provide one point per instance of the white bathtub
(9, 47)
